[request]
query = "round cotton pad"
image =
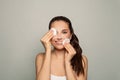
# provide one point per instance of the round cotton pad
(66, 40)
(54, 31)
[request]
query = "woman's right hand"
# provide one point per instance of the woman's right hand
(46, 40)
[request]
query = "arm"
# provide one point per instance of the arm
(43, 66)
(69, 71)
(85, 65)
(68, 67)
(43, 62)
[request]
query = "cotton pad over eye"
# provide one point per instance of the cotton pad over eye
(54, 31)
(66, 41)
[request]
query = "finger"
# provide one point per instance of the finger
(48, 36)
(70, 48)
(67, 47)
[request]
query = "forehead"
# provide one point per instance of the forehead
(60, 25)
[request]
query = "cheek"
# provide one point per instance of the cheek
(53, 39)
(67, 36)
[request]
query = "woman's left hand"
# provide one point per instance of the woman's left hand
(70, 52)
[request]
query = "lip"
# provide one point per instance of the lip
(58, 42)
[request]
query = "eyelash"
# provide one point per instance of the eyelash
(64, 32)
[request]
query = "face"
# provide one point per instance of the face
(63, 32)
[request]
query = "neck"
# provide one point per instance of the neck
(59, 53)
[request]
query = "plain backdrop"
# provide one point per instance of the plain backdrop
(24, 22)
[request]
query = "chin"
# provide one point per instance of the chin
(59, 47)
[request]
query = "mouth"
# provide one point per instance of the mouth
(58, 42)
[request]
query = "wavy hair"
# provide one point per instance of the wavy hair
(76, 61)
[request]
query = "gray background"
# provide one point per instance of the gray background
(24, 22)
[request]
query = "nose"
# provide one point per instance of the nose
(59, 36)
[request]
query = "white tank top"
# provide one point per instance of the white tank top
(53, 77)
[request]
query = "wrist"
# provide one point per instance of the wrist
(67, 62)
(48, 52)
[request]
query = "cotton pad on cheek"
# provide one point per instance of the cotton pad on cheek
(54, 31)
(66, 41)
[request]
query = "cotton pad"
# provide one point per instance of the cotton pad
(66, 40)
(54, 31)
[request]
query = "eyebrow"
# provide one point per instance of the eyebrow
(65, 29)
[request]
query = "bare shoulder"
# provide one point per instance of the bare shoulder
(84, 58)
(85, 66)
(40, 56)
(39, 61)
(85, 61)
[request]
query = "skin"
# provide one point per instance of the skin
(57, 61)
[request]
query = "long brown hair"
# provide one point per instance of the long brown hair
(76, 61)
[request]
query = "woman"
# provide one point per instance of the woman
(65, 61)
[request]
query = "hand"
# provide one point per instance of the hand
(70, 52)
(46, 40)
